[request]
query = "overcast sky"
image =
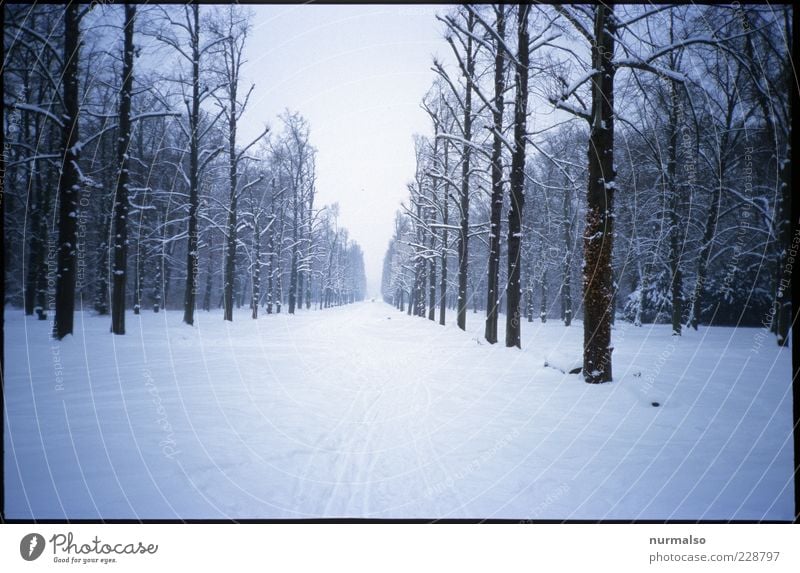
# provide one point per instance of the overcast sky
(357, 73)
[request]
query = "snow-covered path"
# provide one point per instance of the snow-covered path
(362, 411)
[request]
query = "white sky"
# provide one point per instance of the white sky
(358, 74)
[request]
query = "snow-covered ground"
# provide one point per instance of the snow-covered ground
(362, 411)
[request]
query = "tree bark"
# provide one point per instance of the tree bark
(463, 239)
(233, 177)
(675, 223)
(445, 222)
(69, 182)
(121, 203)
(295, 255)
(599, 230)
(566, 285)
(271, 249)
(194, 198)
(256, 266)
(783, 295)
(493, 280)
(517, 186)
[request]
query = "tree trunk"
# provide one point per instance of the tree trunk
(256, 266)
(137, 290)
(675, 222)
(566, 284)
(230, 253)
(783, 295)
(295, 255)
(36, 281)
(69, 182)
(709, 232)
(209, 272)
(192, 255)
(309, 250)
(432, 279)
(463, 239)
(121, 206)
(445, 222)
(270, 250)
(599, 231)
(514, 290)
(493, 279)
(279, 270)
(543, 304)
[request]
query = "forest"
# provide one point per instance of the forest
(602, 163)
(127, 187)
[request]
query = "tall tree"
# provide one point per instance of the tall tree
(492, 289)
(466, 37)
(599, 227)
(121, 205)
(517, 183)
(69, 180)
(192, 255)
(231, 28)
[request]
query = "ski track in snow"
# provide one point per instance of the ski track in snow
(363, 411)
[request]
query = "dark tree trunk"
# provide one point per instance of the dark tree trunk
(270, 250)
(599, 230)
(279, 269)
(103, 267)
(493, 284)
(463, 239)
(709, 232)
(783, 295)
(529, 303)
(230, 249)
(445, 222)
(137, 290)
(192, 255)
(69, 182)
(300, 257)
(121, 206)
(36, 280)
(309, 250)
(674, 220)
(40, 272)
(158, 275)
(209, 272)
(432, 279)
(514, 290)
(256, 267)
(419, 266)
(295, 255)
(566, 284)
(543, 304)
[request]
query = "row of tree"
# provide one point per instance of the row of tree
(684, 109)
(127, 184)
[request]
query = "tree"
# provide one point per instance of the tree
(230, 30)
(493, 294)
(517, 183)
(121, 206)
(466, 62)
(69, 180)
(189, 26)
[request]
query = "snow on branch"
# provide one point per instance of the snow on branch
(36, 109)
(575, 21)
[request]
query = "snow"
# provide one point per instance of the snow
(344, 413)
